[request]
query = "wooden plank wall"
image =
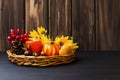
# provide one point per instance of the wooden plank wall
(55, 15)
(108, 24)
(94, 24)
(83, 28)
(36, 12)
(11, 16)
(60, 17)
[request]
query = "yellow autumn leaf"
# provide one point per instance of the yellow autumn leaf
(64, 40)
(40, 34)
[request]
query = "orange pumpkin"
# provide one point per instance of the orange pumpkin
(35, 46)
(51, 49)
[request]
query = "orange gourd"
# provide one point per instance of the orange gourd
(51, 49)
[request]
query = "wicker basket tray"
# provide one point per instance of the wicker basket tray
(39, 60)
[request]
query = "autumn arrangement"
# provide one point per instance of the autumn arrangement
(36, 48)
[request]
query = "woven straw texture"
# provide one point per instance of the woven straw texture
(39, 60)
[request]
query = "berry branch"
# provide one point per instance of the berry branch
(17, 39)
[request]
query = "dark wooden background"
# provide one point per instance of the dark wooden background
(94, 24)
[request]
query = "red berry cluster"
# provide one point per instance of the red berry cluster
(16, 36)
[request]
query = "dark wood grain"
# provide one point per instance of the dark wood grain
(94, 24)
(59, 17)
(0, 7)
(6, 23)
(108, 24)
(83, 29)
(12, 16)
(36, 14)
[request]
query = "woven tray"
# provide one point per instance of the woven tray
(39, 60)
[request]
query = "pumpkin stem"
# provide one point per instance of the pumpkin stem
(61, 43)
(52, 42)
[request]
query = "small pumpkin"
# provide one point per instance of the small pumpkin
(51, 49)
(35, 46)
(66, 50)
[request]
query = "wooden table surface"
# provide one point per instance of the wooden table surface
(86, 66)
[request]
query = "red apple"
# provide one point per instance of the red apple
(35, 46)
